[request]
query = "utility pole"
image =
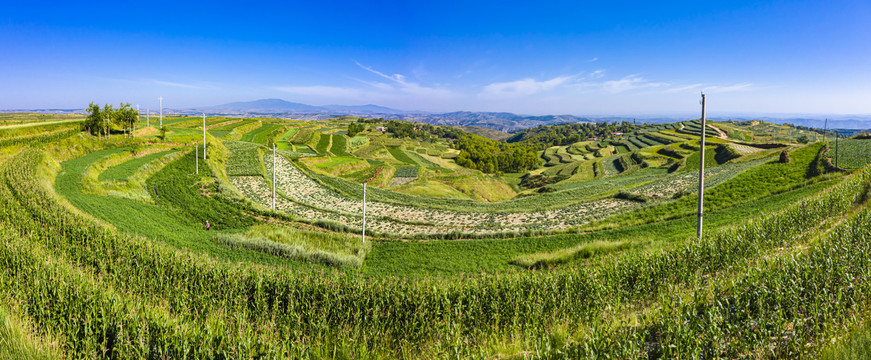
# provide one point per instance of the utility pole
(837, 136)
(106, 127)
(204, 136)
(825, 131)
(147, 117)
(273, 176)
(161, 110)
(364, 213)
(702, 171)
(133, 130)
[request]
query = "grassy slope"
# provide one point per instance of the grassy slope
(850, 153)
(855, 345)
(18, 342)
(417, 259)
(163, 221)
(754, 183)
(485, 132)
(126, 169)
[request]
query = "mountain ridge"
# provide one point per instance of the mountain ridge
(501, 121)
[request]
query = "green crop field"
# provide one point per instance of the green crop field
(126, 169)
(850, 153)
(105, 251)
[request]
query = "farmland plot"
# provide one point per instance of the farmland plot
(299, 188)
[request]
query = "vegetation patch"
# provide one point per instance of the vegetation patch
(582, 251)
(244, 159)
(333, 249)
(408, 172)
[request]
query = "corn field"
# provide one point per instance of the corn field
(777, 286)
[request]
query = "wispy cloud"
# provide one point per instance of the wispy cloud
(399, 83)
(592, 60)
(684, 88)
(598, 74)
(175, 84)
(730, 88)
(397, 78)
(629, 82)
(523, 87)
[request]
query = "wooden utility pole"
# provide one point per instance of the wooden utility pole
(197, 157)
(825, 131)
(133, 128)
(204, 136)
(702, 171)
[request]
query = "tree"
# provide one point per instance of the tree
(126, 116)
(803, 139)
(108, 115)
(99, 121)
(94, 122)
(355, 128)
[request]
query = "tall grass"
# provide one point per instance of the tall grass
(582, 251)
(17, 340)
(331, 249)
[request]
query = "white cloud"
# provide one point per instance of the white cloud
(730, 88)
(630, 82)
(597, 74)
(592, 60)
(524, 87)
(402, 86)
(683, 88)
(175, 84)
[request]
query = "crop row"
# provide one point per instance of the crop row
(271, 313)
(244, 158)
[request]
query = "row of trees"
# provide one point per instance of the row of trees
(100, 120)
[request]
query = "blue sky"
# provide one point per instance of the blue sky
(532, 57)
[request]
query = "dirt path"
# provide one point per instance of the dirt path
(721, 132)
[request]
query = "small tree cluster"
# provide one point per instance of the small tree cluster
(803, 139)
(100, 120)
(355, 128)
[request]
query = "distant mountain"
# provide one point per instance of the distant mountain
(363, 108)
(501, 121)
(278, 106)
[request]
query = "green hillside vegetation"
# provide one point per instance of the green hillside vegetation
(568, 241)
(485, 132)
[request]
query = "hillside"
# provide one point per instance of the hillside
(485, 132)
(588, 252)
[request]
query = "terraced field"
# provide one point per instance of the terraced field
(105, 252)
(126, 169)
(851, 153)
